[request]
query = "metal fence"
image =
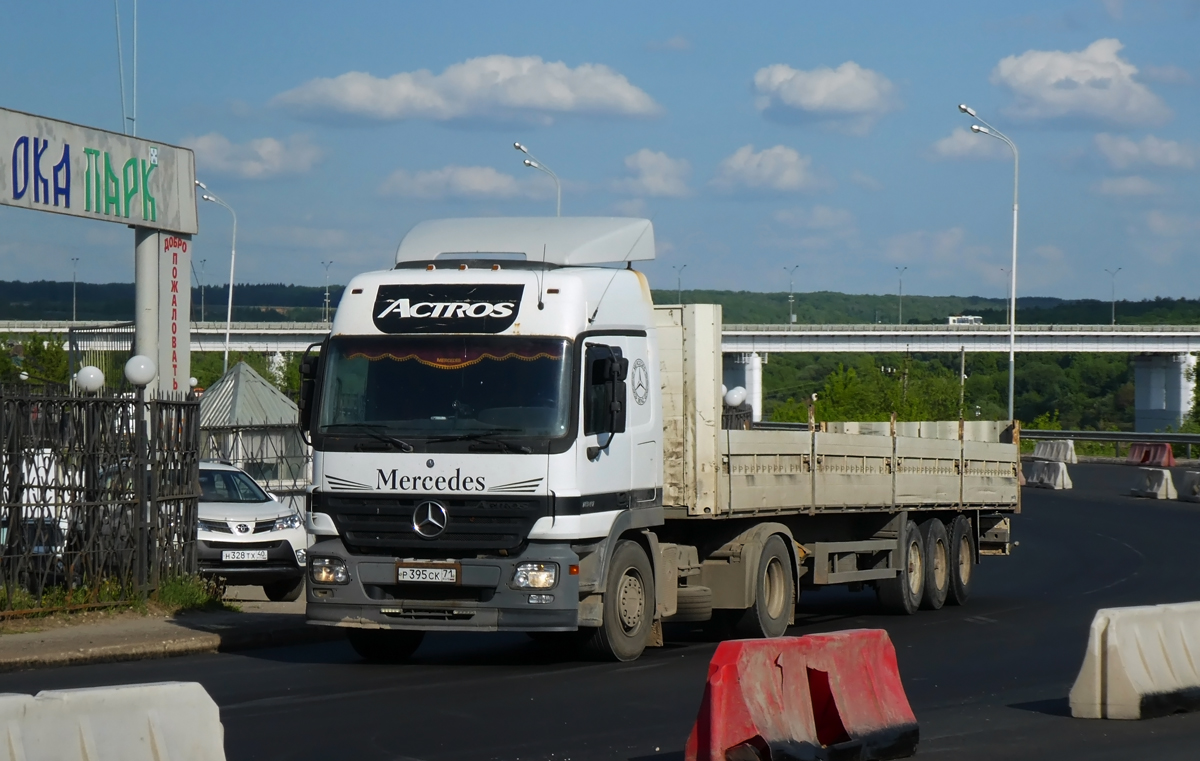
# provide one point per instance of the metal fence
(98, 497)
(107, 347)
(276, 456)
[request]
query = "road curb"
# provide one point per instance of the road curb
(188, 642)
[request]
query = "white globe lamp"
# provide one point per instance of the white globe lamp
(89, 378)
(140, 370)
(736, 396)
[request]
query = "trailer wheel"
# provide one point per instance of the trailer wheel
(962, 560)
(628, 605)
(937, 564)
(385, 645)
(902, 593)
(774, 593)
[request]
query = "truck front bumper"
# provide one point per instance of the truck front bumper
(484, 599)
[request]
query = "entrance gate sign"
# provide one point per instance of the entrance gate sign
(49, 165)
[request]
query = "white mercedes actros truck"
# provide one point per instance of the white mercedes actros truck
(509, 435)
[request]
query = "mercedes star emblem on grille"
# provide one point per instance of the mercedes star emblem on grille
(429, 519)
(243, 528)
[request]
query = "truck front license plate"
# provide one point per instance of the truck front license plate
(435, 574)
(228, 555)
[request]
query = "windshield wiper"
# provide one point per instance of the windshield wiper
(485, 437)
(373, 431)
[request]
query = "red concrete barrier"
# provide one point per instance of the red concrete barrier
(821, 696)
(1151, 455)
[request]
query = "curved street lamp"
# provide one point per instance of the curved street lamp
(212, 198)
(533, 163)
(991, 131)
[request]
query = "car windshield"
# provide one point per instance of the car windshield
(229, 486)
(447, 386)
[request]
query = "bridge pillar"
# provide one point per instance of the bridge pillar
(745, 370)
(1163, 389)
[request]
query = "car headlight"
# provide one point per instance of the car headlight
(288, 521)
(328, 571)
(535, 575)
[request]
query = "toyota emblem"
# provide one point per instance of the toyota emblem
(243, 528)
(430, 519)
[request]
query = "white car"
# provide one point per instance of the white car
(246, 536)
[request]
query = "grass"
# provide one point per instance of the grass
(181, 593)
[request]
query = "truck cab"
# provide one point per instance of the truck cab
(487, 438)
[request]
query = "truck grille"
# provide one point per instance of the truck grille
(384, 525)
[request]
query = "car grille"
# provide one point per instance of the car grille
(383, 525)
(216, 526)
(244, 545)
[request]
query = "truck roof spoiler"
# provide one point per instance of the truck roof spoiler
(559, 241)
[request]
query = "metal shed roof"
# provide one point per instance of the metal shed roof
(568, 241)
(242, 398)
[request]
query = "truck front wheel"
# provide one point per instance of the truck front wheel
(628, 605)
(902, 594)
(774, 593)
(385, 645)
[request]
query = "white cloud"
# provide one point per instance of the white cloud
(1127, 186)
(962, 143)
(864, 180)
(1095, 83)
(817, 218)
(1169, 74)
(255, 160)
(1171, 225)
(655, 174)
(470, 182)
(633, 207)
(848, 97)
(1122, 152)
(780, 169)
(495, 86)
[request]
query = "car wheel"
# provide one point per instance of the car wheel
(288, 590)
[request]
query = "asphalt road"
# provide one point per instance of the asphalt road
(986, 681)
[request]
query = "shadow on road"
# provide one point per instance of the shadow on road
(1051, 707)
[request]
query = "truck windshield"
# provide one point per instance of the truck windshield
(452, 386)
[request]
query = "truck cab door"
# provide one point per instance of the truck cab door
(605, 446)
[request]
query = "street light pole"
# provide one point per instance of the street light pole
(791, 293)
(679, 282)
(202, 261)
(326, 265)
(900, 310)
(211, 198)
(74, 281)
(991, 131)
(1113, 274)
(533, 163)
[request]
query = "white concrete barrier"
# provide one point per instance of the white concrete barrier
(1189, 487)
(1154, 483)
(139, 722)
(1048, 475)
(1060, 450)
(1140, 663)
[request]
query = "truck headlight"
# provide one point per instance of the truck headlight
(328, 571)
(288, 521)
(535, 575)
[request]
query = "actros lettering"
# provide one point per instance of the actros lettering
(393, 481)
(437, 310)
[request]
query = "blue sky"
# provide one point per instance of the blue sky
(756, 136)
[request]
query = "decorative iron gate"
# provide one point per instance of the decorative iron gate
(98, 497)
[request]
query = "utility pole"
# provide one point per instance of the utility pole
(679, 282)
(1113, 274)
(900, 276)
(326, 266)
(74, 280)
(791, 294)
(962, 379)
(202, 261)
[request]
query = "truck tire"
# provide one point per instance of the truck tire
(628, 605)
(774, 593)
(692, 604)
(937, 564)
(288, 590)
(902, 593)
(385, 645)
(962, 560)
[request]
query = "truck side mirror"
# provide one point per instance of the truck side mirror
(308, 385)
(605, 392)
(618, 372)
